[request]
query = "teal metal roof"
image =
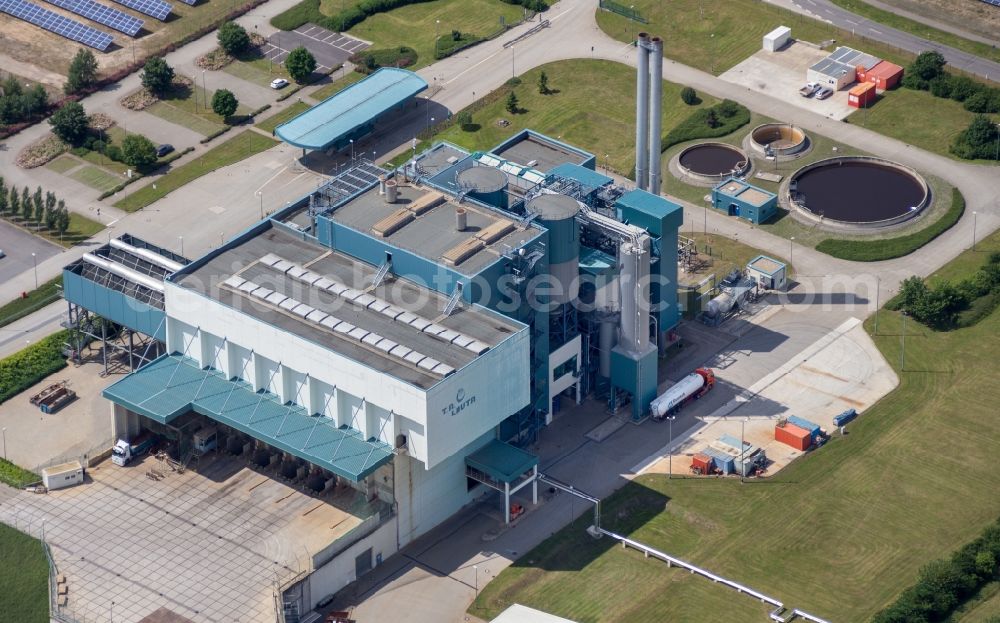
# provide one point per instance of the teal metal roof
(648, 203)
(587, 177)
(173, 385)
(596, 262)
(353, 107)
(501, 461)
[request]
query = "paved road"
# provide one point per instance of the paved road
(829, 12)
(923, 19)
(18, 246)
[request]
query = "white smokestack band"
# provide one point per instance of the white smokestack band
(655, 112)
(642, 112)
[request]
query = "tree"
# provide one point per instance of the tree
(928, 65)
(456, 35)
(224, 103)
(138, 151)
(82, 72)
(543, 83)
(3, 197)
(689, 96)
(15, 202)
(62, 222)
(38, 202)
(70, 122)
(962, 87)
(984, 101)
(157, 75)
(711, 119)
(50, 210)
(11, 109)
(300, 63)
(728, 108)
(11, 87)
(512, 104)
(26, 207)
(233, 38)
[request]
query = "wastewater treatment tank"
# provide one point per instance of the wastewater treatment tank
(781, 139)
(859, 191)
(713, 161)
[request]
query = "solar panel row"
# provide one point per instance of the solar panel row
(97, 12)
(993, 2)
(52, 21)
(153, 8)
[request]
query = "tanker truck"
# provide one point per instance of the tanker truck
(691, 387)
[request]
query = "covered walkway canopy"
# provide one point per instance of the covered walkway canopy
(174, 385)
(353, 111)
(506, 468)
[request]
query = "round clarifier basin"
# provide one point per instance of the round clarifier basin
(713, 162)
(780, 139)
(858, 191)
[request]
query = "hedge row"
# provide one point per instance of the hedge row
(368, 61)
(945, 584)
(446, 46)
(308, 11)
(28, 366)
(878, 250)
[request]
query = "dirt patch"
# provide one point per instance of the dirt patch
(971, 15)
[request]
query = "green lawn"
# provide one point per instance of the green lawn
(919, 29)
(80, 228)
(24, 585)
(21, 307)
(243, 145)
(191, 108)
(345, 80)
(917, 118)
(278, 118)
(259, 71)
(592, 107)
(96, 177)
(725, 254)
(63, 163)
(838, 533)
(415, 25)
(716, 36)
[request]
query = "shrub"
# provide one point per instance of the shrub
(157, 75)
(927, 65)
(224, 103)
(915, 82)
(689, 96)
(464, 120)
(114, 152)
(300, 63)
(984, 101)
(979, 140)
(371, 60)
(727, 118)
(446, 46)
(69, 123)
(941, 86)
(962, 87)
(82, 73)
(32, 364)
(233, 38)
(138, 151)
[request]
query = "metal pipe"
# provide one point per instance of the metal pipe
(642, 111)
(655, 113)
(123, 271)
(150, 256)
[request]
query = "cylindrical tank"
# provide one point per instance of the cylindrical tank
(642, 111)
(461, 219)
(655, 112)
(676, 394)
(486, 184)
(381, 184)
(557, 214)
(634, 288)
(720, 305)
(390, 191)
(606, 342)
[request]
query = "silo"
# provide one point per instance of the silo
(557, 213)
(486, 184)
(606, 342)
(634, 258)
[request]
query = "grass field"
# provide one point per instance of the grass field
(415, 25)
(19, 308)
(587, 109)
(243, 145)
(986, 609)
(345, 80)
(191, 108)
(838, 533)
(63, 163)
(917, 118)
(257, 69)
(24, 584)
(96, 177)
(278, 118)
(80, 228)
(715, 37)
(921, 30)
(725, 255)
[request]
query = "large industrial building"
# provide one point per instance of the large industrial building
(400, 334)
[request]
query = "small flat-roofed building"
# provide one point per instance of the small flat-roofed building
(768, 272)
(743, 200)
(777, 38)
(831, 73)
(884, 75)
(530, 149)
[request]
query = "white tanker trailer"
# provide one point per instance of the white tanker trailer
(691, 387)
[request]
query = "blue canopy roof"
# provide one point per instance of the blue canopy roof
(173, 385)
(502, 461)
(354, 107)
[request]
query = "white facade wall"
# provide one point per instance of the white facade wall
(836, 83)
(339, 572)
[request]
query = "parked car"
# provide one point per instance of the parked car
(809, 90)
(2, 254)
(824, 93)
(164, 149)
(279, 83)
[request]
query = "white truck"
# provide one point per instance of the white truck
(125, 450)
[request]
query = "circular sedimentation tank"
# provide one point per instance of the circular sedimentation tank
(858, 191)
(713, 162)
(780, 139)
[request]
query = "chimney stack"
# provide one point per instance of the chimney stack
(461, 219)
(642, 112)
(655, 113)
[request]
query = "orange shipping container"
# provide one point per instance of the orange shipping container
(885, 75)
(861, 95)
(701, 463)
(792, 435)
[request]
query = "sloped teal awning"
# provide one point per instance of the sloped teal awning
(502, 461)
(173, 385)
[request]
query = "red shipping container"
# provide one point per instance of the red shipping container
(861, 95)
(794, 436)
(701, 463)
(884, 75)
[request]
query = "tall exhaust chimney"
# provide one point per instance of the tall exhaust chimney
(655, 112)
(642, 112)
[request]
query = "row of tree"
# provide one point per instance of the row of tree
(18, 104)
(926, 73)
(945, 584)
(38, 207)
(938, 306)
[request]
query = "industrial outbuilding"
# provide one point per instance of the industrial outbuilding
(768, 273)
(831, 73)
(884, 75)
(861, 95)
(743, 200)
(777, 38)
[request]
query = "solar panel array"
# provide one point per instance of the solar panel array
(97, 12)
(993, 2)
(153, 8)
(53, 22)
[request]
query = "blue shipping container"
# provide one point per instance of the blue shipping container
(721, 460)
(845, 417)
(813, 429)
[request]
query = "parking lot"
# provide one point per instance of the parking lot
(330, 49)
(209, 546)
(781, 74)
(18, 245)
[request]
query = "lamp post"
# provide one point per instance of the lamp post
(204, 88)
(261, 195)
(476, 569)
(512, 74)
(111, 613)
(5, 443)
(670, 448)
(791, 249)
(182, 244)
(631, 10)
(437, 25)
(878, 284)
(742, 448)
(973, 230)
(34, 264)
(352, 151)
(902, 345)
